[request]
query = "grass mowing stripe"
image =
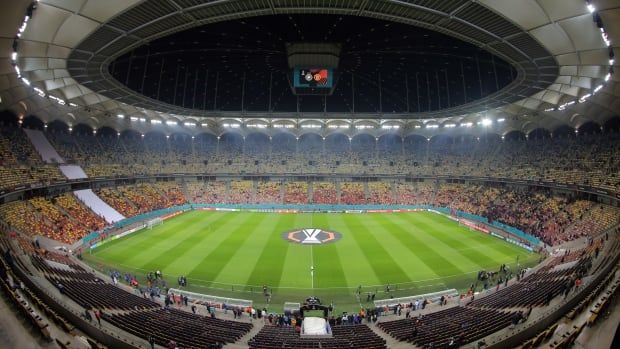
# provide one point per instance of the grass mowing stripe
(189, 235)
(459, 240)
(403, 252)
(268, 268)
(239, 267)
(494, 249)
(356, 267)
(327, 266)
(123, 249)
(211, 265)
(385, 267)
(432, 257)
(188, 258)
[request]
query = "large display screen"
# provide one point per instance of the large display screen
(313, 77)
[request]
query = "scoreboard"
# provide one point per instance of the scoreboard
(313, 78)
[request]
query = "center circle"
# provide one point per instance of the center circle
(311, 236)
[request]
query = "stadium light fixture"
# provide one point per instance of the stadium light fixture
(171, 123)
(189, 124)
(39, 91)
(133, 118)
(598, 88)
(486, 122)
(607, 76)
(155, 121)
(26, 81)
(467, 124)
(449, 125)
(432, 126)
(584, 97)
(417, 126)
(120, 116)
(311, 126)
(501, 120)
(14, 56)
(591, 8)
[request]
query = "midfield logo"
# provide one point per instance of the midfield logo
(311, 236)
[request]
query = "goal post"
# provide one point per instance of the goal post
(154, 222)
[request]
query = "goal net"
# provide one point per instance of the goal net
(154, 222)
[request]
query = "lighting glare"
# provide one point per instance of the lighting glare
(486, 122)
(14, 56)
(591, 8)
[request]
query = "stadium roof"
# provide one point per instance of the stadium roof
(562, 52)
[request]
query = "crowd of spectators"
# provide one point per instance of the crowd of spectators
(296, 193)
(20, 165)
(241, 192)
(206, 192)
(352, 193)
(40, 216)
(324, 193)
(70, 204)
(586, 159)
(268, 192)
(381, 193)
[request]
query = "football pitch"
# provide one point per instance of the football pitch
(234, 254)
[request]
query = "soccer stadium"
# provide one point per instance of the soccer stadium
(309, 174)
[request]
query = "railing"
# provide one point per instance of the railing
(431, 297)
(216, 301)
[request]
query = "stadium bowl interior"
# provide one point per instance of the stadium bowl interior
(207, 174)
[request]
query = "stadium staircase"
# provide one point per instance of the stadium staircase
(73, 171)
(43, 147)
(390, 342)
(87, 197)
(242, 343)
(100, 207)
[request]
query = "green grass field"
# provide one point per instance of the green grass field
(234, 253)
